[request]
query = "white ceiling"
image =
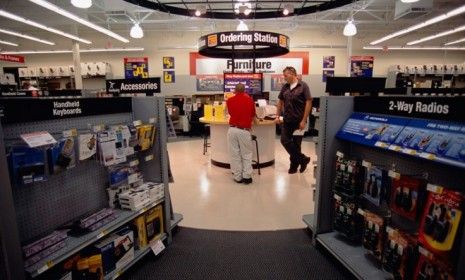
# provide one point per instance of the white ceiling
(374, 19)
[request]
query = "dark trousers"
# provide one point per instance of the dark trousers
(292, 143)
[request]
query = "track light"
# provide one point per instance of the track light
(200, 10)
(409, 1)
(83, 4)
(136, 31)
(350, 29)
(288, 9)
(242, 26)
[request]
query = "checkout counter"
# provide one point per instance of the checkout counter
(265, 130)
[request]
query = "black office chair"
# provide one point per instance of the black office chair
(256, 162)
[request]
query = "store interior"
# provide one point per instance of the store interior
(143, 85)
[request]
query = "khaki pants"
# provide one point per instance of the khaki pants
(240, 153)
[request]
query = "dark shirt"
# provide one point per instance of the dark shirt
(241, 108)
(294, 101)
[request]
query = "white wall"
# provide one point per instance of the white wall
(159, 44)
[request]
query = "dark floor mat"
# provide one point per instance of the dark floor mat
(209, 254)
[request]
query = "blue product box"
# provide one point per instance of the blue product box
(27, 165)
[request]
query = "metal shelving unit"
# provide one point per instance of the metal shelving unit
(177, 218)
(33, 211)
(334, 112)
(138, 254)
(308, 220)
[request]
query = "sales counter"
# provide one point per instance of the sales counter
(265, 131)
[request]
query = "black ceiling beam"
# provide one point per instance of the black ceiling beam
(256, 15)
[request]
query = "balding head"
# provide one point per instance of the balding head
(240, 88)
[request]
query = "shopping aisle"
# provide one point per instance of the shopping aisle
(207, 254)
(208, 197)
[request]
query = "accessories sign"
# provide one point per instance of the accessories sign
(122, 87)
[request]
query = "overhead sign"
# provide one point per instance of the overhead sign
(132, 87)
(252, 82)
(12, 58)
(243, 44)
(201, 65)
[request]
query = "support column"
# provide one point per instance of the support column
(77, 66)
(349, 54)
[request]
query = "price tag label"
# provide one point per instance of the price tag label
(349, 211)
(341, 208)
(337, 197)
(343, 167)
(394, 174)
(70, 133)
(409, 151)
(349, 168)
(376, 228)
(400, 250)
(152, 120)
(366, 164)
(381, 144)
(43, 268)
(102, 234)
(434, 188)
(98, 128)
(149, 158)
(339, 154)
(423, 251)
(137, 122)
(395, 148)
(157, 247)
(361, 212)
(134, 163)
(427, 156)
(118, 274)
(389, 230)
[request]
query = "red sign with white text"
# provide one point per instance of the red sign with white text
(12, 58)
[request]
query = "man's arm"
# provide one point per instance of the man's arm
(308, 107)
(279, 108)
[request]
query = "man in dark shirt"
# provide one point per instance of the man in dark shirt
(241, 109)
(294, 105)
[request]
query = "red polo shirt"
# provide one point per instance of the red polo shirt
(241, 108)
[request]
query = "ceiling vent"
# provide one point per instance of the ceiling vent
(412, 10)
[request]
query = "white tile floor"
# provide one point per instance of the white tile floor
(208, 197)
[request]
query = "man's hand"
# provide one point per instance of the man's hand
(278, 120)
(302, 125)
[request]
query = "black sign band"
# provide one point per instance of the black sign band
(243, 44)
(18, 110)
(437, 108)
(148, 86)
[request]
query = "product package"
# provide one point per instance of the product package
(148, 226)
(374, 187)
(117, 250)
(110, 149)
(407, 196)
(440, 221)
(431, 267)
(349, 175)
(62, 156)
(346, 219)
(373, 235)
(27, 165)
(400, 254)
(87, 145)
(123, 140)
(145, 135)
(123, 174)
(113, 195)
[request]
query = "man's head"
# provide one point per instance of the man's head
(290, 74)
(240, 88)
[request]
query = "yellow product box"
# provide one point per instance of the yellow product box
(154, 223)
(208, 111)
(219, 112)
(139, 229)
(146, 135)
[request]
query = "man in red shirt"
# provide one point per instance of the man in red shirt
(241, 108)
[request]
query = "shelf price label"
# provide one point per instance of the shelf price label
(137, 122)
(381, 144)
(118, 274)
(157, 247)
(134, 163)
(395, 148)
(409, 151)
(337, 197)
(102, 234)
(152, 120)
(70, 133)
(366, 164)
(427, 156)
(149, 158)
(339, 154)
(434, 188)
(98, 128)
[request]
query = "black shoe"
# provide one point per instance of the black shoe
(247, 181)
(239, 181)
(303, 164)
(293, 168)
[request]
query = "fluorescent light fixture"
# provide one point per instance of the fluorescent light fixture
(41, 26)
(12, 33)
(70, 51)
(136, 31)
(431, 48)
(242, 26)
(8, 43)
(455, 42)
(288, 9)
(83, 4)
(350, 29)
(82, 21)
(409, 1)
(434, 20)
(438, 35)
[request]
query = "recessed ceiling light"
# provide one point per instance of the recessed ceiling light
(41, 26)
(12, 33)
(454, 12)
(83, 4)
(82, 21)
